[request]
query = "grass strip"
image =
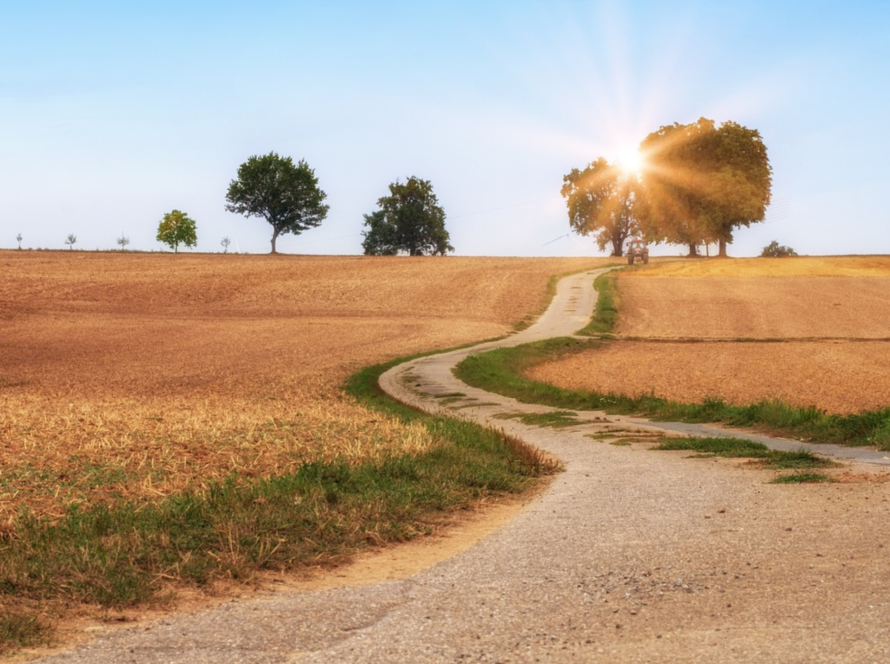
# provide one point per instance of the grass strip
(125, 553)
(605, 313)
(802, 478)
(502, 371)
(746, 449)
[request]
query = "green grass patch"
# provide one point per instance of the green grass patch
(120, 554)
(802, 478)
(502, 371)
(746, 449)
(556, 419)
(605, 314)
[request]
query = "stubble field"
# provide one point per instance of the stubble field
(807, 331)
(137, 376)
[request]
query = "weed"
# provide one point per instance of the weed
(802, 478)
(556, 419)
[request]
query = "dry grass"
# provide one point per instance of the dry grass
(139, 375)
(843, 298)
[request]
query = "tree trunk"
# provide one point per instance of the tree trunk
(616, 248)
(275, 234)
(693, 250)
(722, 253)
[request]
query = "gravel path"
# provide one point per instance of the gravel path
(629, 556)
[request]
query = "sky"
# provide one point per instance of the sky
(114, 113)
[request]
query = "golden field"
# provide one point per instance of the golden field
(823, 326)
(139, 375)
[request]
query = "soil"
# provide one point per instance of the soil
(831, 315)
(142, 374)
(840, 377)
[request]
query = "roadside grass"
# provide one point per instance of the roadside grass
(556, 419)
(605, 314)
(127, 552)
(802, 478)
(746, 449)
(502, 371)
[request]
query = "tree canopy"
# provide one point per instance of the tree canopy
(409, 220)
(176, 228)
(283, 193)
(701, 181)
(600, 201)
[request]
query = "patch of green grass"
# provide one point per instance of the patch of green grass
(605, 314)
(556, 419)
(802, 478)
(18, 629)
(501, 371)
(748, 449)
(117, 554)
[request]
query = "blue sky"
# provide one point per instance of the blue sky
(113, 113)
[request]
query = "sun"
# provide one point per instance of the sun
(631, 161)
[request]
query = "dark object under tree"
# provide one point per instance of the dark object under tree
(409, 220)
(281, 192)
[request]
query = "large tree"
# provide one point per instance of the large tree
(177, 228)
(702, 181)
(409, 220)
(283, 193)
(600, 201)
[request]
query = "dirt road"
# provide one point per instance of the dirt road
(629, 556)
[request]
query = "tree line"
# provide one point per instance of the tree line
(698, 184)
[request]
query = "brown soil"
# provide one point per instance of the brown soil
(839, 377)
(141, 374)
(835, 311)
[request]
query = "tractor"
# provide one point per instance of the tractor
(637, 249)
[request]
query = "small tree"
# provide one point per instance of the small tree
(123, 241)
(409, 220)
(600, 200)
(176, 228)
(72, 238)
(776, 250)
(284, 194)
(225, 242)
(19, 240)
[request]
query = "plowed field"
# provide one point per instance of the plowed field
(142, 374)
(832, 315)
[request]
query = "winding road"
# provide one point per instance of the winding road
(628, 556)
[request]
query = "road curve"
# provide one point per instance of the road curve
(629, 556)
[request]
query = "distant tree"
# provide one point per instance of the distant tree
(225, 242)
(19, 240)
(600, 201)
(176, 228)
(72, 238)
(123, 241)
(776, 250)
(284, 194)
(702, 181)
(409, 220)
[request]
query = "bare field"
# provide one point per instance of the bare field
(138, 375)
(839, 326)
(844, 377)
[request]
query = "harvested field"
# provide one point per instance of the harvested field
(702, 300)
(138, 375)
(834, 311)
(844, 377)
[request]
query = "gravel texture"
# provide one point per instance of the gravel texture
(629, 556)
